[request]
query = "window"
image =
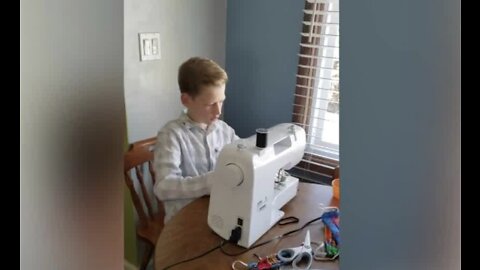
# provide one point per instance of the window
(316, 102)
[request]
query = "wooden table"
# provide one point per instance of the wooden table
(187, 234)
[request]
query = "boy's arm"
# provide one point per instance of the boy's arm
(170, 184)
(235, 136)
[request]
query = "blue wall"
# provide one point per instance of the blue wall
(261, 61)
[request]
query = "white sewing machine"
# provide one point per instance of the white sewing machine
(250, 184)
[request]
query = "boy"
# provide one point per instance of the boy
(187, 148)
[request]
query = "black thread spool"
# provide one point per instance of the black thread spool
(262, 134)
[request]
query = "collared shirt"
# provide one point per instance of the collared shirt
(185, 155)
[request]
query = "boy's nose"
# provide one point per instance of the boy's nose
(218, 109)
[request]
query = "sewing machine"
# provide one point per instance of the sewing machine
(249, 184)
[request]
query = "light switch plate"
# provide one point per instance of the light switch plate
(149, 46)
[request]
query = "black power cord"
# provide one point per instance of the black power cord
(196, 257)
(268, 241)
(235, 236)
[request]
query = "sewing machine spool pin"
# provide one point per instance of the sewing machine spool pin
(262, 136)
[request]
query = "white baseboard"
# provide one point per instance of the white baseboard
(128, 265)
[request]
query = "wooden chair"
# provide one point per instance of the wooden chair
(139, 159)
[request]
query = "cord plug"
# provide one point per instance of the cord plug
(235, 235)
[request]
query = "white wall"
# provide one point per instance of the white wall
(72, 132)
(187, 28)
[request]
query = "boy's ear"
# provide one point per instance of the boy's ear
(186, 99)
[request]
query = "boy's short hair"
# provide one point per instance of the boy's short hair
(197, 72)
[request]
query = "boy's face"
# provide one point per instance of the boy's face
(206, 107)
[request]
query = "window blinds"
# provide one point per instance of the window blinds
(316, 98)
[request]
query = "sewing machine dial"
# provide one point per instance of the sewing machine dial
(235, 174)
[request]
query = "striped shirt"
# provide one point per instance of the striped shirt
(185, 155)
